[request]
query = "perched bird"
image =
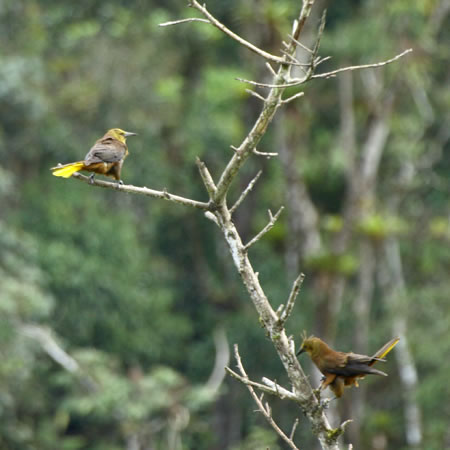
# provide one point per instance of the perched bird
(105, 157)
(343, 369)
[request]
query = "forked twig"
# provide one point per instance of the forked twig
(267, 228)
(264, 409)
(213, 21)
(362, 66)
(285, 312)
(298, 81)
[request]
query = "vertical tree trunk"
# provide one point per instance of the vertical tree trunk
(391, 274)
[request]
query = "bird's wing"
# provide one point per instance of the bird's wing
(106, 150)
(355, 365)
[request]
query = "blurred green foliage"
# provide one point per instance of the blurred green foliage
(134, 288)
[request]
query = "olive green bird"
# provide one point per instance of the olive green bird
(106, 157)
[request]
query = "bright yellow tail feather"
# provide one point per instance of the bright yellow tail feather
(386, 348)
(67, 170)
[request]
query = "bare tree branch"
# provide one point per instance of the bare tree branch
(206, 177)
(130, 189)
(362, 66)
(245, 192)
(267, 228)
(298, 81)
(216, 209)
(292, 97)
(271, 69)
(255, 94)
(273, 101)
(278, 391)
(264, 409)
(294, 427)
(177, 22)
(268, 154)
(285, 313)
(213, 21)
(304, 47)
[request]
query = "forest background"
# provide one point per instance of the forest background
(115, 308)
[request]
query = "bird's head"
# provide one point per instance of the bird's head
(119, 134)
(311, 345)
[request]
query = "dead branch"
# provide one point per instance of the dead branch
(245, 192)
(273, 101)
(294, 427)
(267, 228)
(177, 22)
(285, 313)
(213, 21)
(362, 66)
(298, 81)
(206, 177)
(292, 97)
(255, 94)
(280, 392)
(267, 154)
(264, 409)
(130, 189)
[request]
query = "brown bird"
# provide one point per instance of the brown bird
(106, 157)
(343, 369)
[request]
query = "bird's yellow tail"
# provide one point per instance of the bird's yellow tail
(67, 170)
(386, 348)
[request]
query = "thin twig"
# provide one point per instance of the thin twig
(322, 60)
(245, 192)
(255, 94)
(293, 60)
(293, 82)
(294, 427)
(206, 177)
(177, 22)
(268, 154)
(261, 387)
(267, 228)
(265, 410)
(291, 301)
(271, 69)
(213, 21)
(298, 81)
(304, 47)
(300, 23)
(130, 189)
(269, 109)
(210, 216)
(292, 97)
(363, 66)
(319, 37)
(278, 390)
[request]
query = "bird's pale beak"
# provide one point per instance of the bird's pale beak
(129, 133)
(300, 351)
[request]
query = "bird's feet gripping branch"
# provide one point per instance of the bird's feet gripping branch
(106, 157)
